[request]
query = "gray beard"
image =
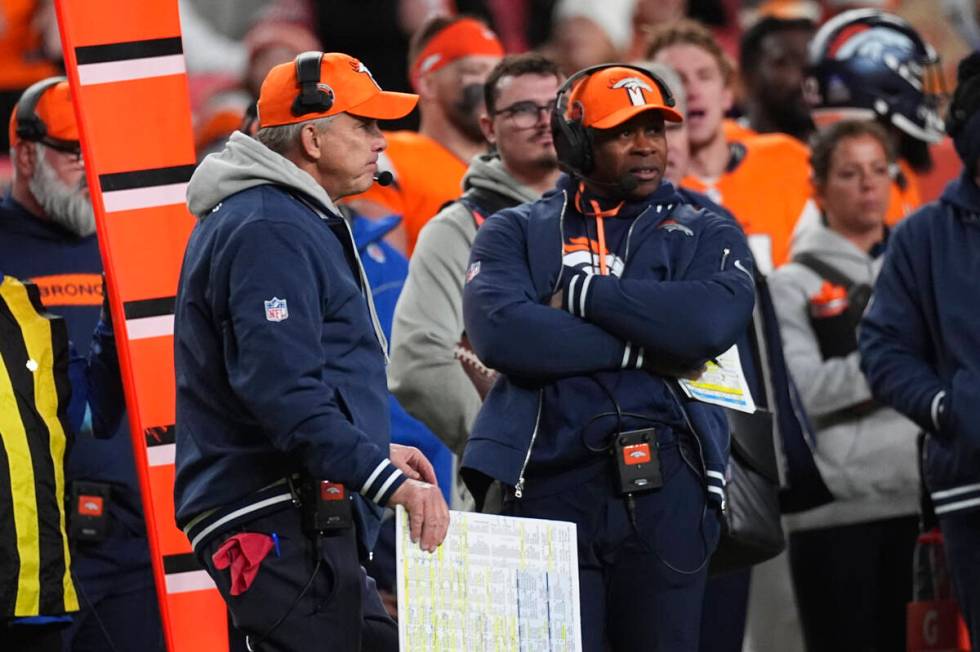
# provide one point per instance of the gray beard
(64, 206)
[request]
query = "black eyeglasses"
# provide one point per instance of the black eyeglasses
(526, 114)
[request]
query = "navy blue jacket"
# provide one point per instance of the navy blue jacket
(685, 296)
(269, 388)
(920, 339)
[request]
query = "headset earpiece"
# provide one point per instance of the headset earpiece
(312, 98)
(30, 127)
(573, 141)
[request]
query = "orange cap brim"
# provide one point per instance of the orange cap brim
(386, 105)
(617, 118)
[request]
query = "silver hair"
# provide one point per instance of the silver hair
(64, 205)
(282, 138)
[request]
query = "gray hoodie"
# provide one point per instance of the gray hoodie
(242, 164)
(869, 461)
(245, 162)
(425, 377)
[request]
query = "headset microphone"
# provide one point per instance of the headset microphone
(385, 178)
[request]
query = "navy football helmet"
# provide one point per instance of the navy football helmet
(867, 64)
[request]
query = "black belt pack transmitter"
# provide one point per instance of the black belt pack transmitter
(325, 506)
(88, 518)
(637, 461)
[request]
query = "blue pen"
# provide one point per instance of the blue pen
(275, 543)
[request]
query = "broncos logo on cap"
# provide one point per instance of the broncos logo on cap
(634, 88)
(357, 66)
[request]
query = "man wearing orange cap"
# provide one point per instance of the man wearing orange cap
(589, 302)
(47, 235)
(284, 460)
(450, 60)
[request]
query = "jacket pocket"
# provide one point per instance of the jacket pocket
(344, 405)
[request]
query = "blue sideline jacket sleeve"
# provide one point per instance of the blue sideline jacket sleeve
(276, 366)
(894, 341)
(106, 400)
(510, 330)
(694, 317)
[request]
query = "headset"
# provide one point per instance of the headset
(313, 97)
(30, 126)
(573, 141)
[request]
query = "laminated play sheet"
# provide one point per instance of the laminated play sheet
(496, 584)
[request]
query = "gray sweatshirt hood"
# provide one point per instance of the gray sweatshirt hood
(487, 171)
(242, 164)
(835, 250)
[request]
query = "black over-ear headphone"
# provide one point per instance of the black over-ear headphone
(29, 124)
(573, 141)
(311, 98)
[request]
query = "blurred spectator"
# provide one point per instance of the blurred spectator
(752, 11)
(588, 33)
(232, 18)
(47, 234)
(763, 180)
(207, 50)
(851, 560)
(378, 32)
(23, 60)
(273, 41)
(772, 60)
(424, 373)
(869, 65)
(920, 347)
(451, 58)
(962, 15)
(678, 147)
(276, 38)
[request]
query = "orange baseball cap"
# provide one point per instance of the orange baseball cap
(55, 111)
(609, 97)
(349, 82)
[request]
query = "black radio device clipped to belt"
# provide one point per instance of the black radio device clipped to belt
(88, 519)
(325, 506)
(637, 461)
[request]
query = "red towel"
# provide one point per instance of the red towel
(244, 553)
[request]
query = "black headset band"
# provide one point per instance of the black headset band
(29, 124)
(311, 98)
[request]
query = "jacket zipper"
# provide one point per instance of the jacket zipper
(561, 244)
(724, 257)
(519, 488)
(629, 236)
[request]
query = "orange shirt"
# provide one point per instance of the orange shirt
(21, 62)
(946, 167)
(767, 187)
(904, 197)
(735, 130)
(427, 175)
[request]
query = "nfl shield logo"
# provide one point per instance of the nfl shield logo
(276, 310)
(472, 272)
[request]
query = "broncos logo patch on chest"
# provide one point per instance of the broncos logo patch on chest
(673, 225)
(583, 254)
